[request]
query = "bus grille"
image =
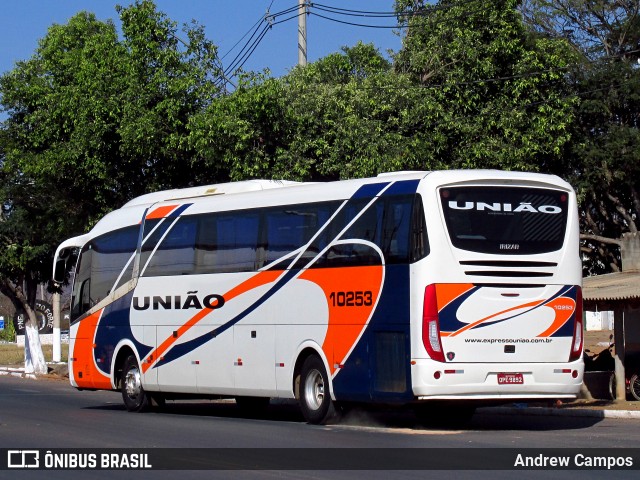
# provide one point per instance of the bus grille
(516, 268)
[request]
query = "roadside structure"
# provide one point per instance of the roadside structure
(620, 292)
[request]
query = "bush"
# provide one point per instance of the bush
(9, 332)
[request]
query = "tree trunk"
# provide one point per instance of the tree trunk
(34, 361)
(630, 252)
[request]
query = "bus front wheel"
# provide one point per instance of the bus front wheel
(634, 386)
(133, 394)
(315, 397)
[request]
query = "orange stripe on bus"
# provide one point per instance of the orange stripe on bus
(478, 322)
(563, 308)
(448, 292)
(346, 321)
(256, 281)
(84, 363)
(161, 212)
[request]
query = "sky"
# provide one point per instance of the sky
(24, 22)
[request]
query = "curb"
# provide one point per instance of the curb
(17, 372)
(560, 412)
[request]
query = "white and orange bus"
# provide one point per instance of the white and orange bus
(433, 289)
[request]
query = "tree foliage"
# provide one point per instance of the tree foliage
(105, 118)
(595, 28)
(338, 117)
(93, 120)
(96, 117)
(604, 154)
(471, 88)
(496, 92)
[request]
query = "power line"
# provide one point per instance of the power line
(268, 21)
(255, 25)
(242, 55)
(257, 34)
(353, 13)
(378, 14)
(344, 22)
(252, 48)
(399, 15)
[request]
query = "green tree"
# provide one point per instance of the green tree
(243, 135)
(92, 121)
(604, 154)
(605, 158)
(595, 28)
(335, 118)
(28, 223)
(350, 111)
(346, 115)
(105, 119)
(497, 95)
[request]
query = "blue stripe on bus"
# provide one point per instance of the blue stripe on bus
(403, 187)
(567, 329)
(448, 315)
(114, 326)
(369, 191)
(377, 370)
(178, 211)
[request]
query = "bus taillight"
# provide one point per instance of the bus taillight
(576, 343)
(430, 325)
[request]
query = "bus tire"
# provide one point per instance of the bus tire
(315, 397)
(612, 386)
(133, 394)
(634, 386)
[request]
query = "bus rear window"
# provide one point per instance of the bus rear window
(505, 220)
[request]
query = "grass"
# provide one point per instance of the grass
(13, 355)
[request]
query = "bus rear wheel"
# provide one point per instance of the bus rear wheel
(133, 394)
(315, 397)
(634, 386)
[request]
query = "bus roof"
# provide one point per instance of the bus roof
(208, 190)
(251, 193)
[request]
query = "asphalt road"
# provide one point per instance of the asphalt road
(47, 414)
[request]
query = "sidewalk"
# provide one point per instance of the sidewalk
(56, 371)
(576, 408)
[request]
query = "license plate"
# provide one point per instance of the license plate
(510, 379)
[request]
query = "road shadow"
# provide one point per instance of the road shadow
(370, 417)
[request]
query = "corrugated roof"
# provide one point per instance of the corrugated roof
(612, 286)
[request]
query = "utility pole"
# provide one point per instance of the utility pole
(302, 33)
(57, 351)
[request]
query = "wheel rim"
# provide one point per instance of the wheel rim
(133, 383)
(314, 390)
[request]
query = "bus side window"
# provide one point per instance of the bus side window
(288, 229)
(85, 296)
(419, 238)
(176, 253)
(227, 242)
(391, 224)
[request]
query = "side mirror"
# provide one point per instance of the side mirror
(60, 271)
(65, 261)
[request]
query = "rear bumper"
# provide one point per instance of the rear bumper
(480, 381)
